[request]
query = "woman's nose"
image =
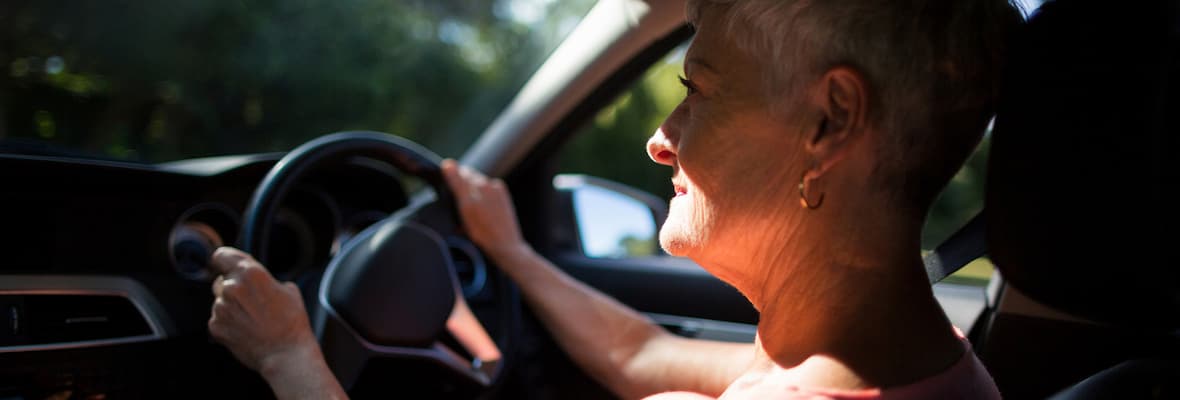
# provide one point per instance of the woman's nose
(660, 148)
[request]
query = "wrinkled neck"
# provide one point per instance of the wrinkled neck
(847, 284)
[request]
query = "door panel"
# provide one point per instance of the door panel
(663, 285)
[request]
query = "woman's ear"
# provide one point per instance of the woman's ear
(841, 96)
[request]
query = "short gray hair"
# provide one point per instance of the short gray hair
(932, 67)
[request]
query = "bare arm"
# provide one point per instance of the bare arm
(616, 345)
(303, 376)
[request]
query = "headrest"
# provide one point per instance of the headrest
(1083, 162)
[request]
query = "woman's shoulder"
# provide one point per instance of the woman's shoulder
(678, 396)
(785, 395)
(967, 379)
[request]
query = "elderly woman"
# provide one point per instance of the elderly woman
(812, 140)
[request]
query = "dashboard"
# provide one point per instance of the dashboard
(69, 216)
(87, 244)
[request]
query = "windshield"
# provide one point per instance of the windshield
(153, 81)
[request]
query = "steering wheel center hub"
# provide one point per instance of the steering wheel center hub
(391, 284)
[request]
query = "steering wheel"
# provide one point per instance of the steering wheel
(391, 292)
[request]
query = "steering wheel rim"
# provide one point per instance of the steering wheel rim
(406, 156)
(349, 330)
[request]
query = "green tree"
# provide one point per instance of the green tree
(150, 80)
(613, 145)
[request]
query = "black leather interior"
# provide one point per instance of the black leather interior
(1079, 193)
(1080, 206)
(1140, 379)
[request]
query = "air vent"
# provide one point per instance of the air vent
(469, 266)
(32, 319)
(198, 232)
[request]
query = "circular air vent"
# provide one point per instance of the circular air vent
(198, 232)
(469, 266)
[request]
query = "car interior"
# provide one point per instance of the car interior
(104, 291)
(1087, 283)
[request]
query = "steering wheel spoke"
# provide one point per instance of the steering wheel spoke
(470, 334)
(477, 361)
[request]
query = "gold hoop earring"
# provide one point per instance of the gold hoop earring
(803, 196)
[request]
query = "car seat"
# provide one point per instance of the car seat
(1080, 215)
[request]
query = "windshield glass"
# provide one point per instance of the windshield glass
(153, 81)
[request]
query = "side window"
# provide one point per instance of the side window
(616, 221)
(613, 145)
(960, 200)
(613, 220)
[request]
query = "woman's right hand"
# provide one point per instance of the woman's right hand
(486, 209)
(259, 319)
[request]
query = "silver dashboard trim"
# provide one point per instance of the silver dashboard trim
(151, 310)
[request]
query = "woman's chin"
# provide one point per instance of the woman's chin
(686, 230)
(678, 241)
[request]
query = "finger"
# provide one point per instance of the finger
(219, 310)
(239, 265)
(218, 315)
(253, 273)
(450, 170)
(231, 292)
(293, 290)
(226, 259)
(291, 287)
(495, 188)
(217, 327)
(214, 327)
(228, 312)
(477, 184)
(250, 289)
(218, 285)
(472, 176)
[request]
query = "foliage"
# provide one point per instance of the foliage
(632, 246)
(613, 145)
(162, 80)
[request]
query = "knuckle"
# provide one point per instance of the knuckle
(244, 264)
(219, 307)
(215, 328)
(255, 273)
(230, 291)
(219, 259)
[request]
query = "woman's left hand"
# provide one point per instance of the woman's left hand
(486, 208)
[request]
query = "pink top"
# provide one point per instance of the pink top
(967, 379)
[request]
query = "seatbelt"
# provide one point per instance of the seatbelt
(963, 247)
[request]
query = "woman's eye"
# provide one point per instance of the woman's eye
(689, 87)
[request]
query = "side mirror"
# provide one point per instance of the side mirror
(613, 220)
